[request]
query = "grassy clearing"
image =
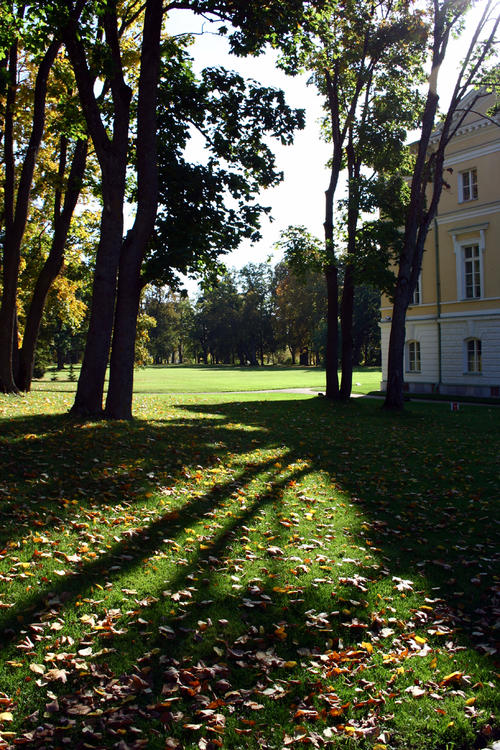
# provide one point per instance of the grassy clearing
(218, 379)
(248, 572)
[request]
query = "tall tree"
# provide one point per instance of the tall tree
(62, 214)
(357, 52)
(427, 180)
(112, 152)
(120, 262)
(29, 26)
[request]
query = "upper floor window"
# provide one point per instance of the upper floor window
(473, 355)
(470, 256)
(417, 292)
(413, 356)
(472, 271)
(467, 185)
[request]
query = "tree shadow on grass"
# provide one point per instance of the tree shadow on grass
(426, 482)
(222, 646)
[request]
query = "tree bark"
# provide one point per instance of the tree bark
(395, 376)
(347, 302)
(346, 313)
(119, 398)
(414, 238)
(54, 262)
(332, 341)
(112, 155)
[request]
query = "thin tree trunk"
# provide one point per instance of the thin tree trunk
(346, 313)
(332, 340)
(347, 302)
(54, 262)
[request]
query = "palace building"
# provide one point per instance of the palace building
(453, 326)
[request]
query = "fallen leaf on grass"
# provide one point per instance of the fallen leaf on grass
(415, 691)
(37, 668)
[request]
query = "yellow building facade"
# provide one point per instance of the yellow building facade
(453, 326)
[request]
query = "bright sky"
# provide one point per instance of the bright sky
(299, 199)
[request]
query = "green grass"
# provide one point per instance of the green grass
(221, 378)
(248, 571)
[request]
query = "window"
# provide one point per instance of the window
(469, 254)
(467, 187)
(417, 292)
(472, 271)
(474, 355)
(414, 356)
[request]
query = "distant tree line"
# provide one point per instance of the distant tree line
(257, 315)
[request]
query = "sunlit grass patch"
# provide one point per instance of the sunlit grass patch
(248, 571)
(218, 379)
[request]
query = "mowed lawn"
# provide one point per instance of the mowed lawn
(248, 571)
(217, 379)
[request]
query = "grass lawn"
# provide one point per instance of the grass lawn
(217, 379)
(248, 571)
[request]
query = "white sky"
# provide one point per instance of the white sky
(299, 199)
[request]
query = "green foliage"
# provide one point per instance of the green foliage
(207, 209)
(302, 251)
(169, 338)
(300, 306)
(145, 323)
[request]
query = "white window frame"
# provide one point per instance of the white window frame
(477, 355)
(417, 292)
(413, 362)
(460, 246)
(467, 185)
(472, 271)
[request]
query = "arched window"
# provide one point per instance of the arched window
(473, 355)
(413, 356)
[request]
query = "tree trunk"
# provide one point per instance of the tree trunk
(119, 399)
(395, 377)
(112, 155)
(121, 372)
(332, 336)
(346, 313)
(89, 394)
(54, 262)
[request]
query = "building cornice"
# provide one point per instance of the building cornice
(470, 127)
(472, 153)
(471, 213)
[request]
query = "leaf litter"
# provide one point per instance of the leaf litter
(180, 595)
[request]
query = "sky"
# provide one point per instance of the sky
(299, 199)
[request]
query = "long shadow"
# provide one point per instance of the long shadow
(417, 504)
(53, 468)
(428, 490)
